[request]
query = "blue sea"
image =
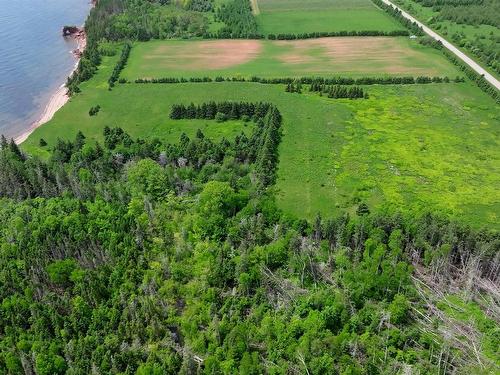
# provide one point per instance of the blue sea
(34, 57)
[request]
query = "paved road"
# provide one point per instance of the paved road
(451, 47)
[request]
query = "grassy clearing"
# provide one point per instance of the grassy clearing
(346, 56)
(295, 17)
(421, 145)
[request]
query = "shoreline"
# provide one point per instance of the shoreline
(58, 98)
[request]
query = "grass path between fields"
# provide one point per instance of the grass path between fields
(255, 7)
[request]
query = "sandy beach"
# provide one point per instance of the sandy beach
(58, 98)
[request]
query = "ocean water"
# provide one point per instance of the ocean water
(34, 57)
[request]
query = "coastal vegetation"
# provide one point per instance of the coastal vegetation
(115, 20)
(237, 201)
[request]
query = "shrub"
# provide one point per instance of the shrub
(220, 117)
(94, 110)
(60, 271)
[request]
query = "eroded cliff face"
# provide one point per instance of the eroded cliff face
(70, 30)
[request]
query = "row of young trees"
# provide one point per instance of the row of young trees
(480, 81)
(308, 80)
(440, 3)
(338, 91)
(395, 13)
(120, 64)
(226, 33)
(484, 47)
(294, 87)
(447, 18)
(208, 111)
(337, 34)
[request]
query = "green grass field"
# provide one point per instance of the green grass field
(295, 16)
(421, 145)
(124, 107)
(346, 56)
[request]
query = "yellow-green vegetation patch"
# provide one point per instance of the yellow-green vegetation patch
(295, 17)
(345, 56)
(420, 145)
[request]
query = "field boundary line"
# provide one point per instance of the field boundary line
(255, 7)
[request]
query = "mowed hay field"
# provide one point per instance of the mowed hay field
(296, 16)
(346, 56)
(431, 145)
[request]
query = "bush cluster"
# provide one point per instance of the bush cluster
(339, 91)
(94, 110)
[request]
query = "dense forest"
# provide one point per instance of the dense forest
(136, 256)
(238, 19)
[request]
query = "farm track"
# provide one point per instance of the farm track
(255, 7)
(470, 62)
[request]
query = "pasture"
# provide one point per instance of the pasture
(421, 145)
(345, 56)
(296, 17)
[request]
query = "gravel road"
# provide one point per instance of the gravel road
(475, 66)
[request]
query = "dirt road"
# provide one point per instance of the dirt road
(476, 67)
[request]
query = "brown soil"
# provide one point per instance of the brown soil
(207, 55)
(351, 53)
